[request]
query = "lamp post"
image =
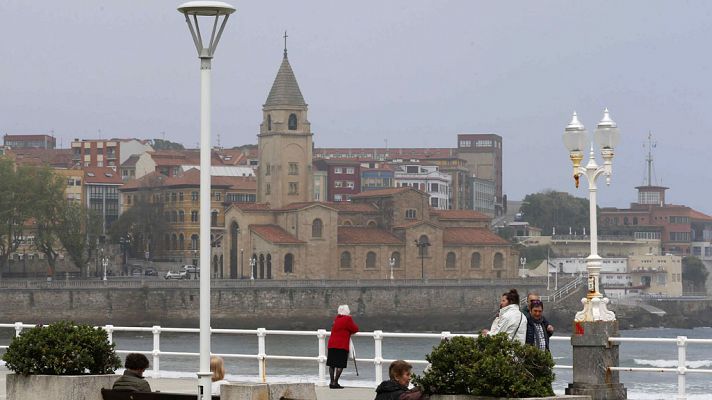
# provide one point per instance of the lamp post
(253, 262)
(105, 263)
(215, 11)
(522, 261)
(422, 246)
(242, 251)
(392, 263)
(576, 141)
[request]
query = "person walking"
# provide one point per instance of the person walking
(509, 319)
(338, 346)
(538, 328)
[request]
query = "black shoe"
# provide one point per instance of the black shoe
(337, 386)
(332, 386)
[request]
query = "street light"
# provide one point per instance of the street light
(253, 262)
(392, 263)
(422, 245)
(576, 141)
(105, 263)
(195, 11)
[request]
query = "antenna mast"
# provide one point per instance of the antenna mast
(649, 158)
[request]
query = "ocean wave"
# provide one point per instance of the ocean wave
(673, 363)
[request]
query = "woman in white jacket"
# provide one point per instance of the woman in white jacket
(509, 319)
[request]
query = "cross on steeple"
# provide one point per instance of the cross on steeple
(285, 43)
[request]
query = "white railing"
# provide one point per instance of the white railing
(681, 342)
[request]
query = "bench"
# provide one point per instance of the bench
(111, 394)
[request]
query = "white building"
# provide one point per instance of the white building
(428, 179)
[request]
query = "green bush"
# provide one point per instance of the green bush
(488, 366)
(62, 348)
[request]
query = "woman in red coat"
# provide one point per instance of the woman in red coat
(338, 346)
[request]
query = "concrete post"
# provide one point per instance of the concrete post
(593, 354)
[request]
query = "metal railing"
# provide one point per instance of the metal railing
(377, 360)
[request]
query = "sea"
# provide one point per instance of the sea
(640, 385)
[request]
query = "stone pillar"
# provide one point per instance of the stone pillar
(592, 355)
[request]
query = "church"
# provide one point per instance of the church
(390, 233)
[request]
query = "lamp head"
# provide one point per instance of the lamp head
(206, 10)
(575, 137)
(607, 134)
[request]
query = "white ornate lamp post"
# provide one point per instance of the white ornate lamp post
(253, 262)
(217, 13)
(105, 263)
(576, 141)
(392, 263)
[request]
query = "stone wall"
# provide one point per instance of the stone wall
(400, 307)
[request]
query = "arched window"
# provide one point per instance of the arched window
(423, 244)
(396, 259)
(371, 224)
(292, 125)
(269, 266)
(269, 122)
(450, 260)
(214, 218)
(317, 226)
(347, 223)
(173, 197)
(174, 242)
(174, 216)
(167, 241)
(181, 216)
(288, 263)
(635, 220)
(371, 260)
(194, 242)
(181, 242)
(475, 260)
(346, 260)
(498, 262)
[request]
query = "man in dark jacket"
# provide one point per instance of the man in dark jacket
(396, 388)
(132, 379)
(538, 328)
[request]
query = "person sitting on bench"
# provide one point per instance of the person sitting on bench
(132, 379)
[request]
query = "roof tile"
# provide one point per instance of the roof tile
(471, 236)
(361, 235)
(274, 234)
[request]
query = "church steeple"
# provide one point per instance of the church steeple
(285, 143)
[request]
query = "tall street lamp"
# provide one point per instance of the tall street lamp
(422, 245)
(218, 12)
(576, 141)
(253, 262)
(105, 263)
(392, 263)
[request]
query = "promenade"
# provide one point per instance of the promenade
(190, 385)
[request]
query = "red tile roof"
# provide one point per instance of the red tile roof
(471, 236)
(252, 206)
(60, 158)
(274, 234)
(460, 214)
(360, 235)
(348, 207)
(191, 177)
(694, 214)
(102, 176)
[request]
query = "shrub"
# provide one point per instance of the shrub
(62, 348)
(488, 366)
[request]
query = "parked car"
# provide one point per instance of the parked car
(191, 269)
(150, 271)
(176, 275)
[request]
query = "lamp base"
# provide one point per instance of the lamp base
(595, 309)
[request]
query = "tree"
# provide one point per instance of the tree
(550, 209)
(79, 229)
(48, 205)
(16, 202)
(161, 144)
(694, 273)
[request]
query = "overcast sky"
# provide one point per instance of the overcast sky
(412, 72)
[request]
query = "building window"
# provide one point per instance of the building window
(174, 197)
(338, 170)
(338, 184)
(217, 196)
(680, 236)
(345, 260)
(395, 259)
(434, 187)
(128, 199)
(269, 122)
(350, 170)
(450, 260)
(268, 188)
(181, 216)
(465, 143)
(371, 224)
(498, 262)
(349, 184)
(371, 260)
(180, 197)
(181, 242)
(194, 196)
(174, 242)
(292, 124)
(193, 216)
(434, 202)
(317, 227)
(174, 217)
(214, 218)
(288, 263)
(410, 213)
(268, 168)
(194, 242)
(293, 188)
(475, 260)
(293, 168)
(338, 197)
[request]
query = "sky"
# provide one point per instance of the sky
(414, 73)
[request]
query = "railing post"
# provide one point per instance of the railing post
(156, 351)
(109, 333)
(18, 328)
(261, 354)
(445, 335)
(321, 335)
(378, 355)
(681, 366)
